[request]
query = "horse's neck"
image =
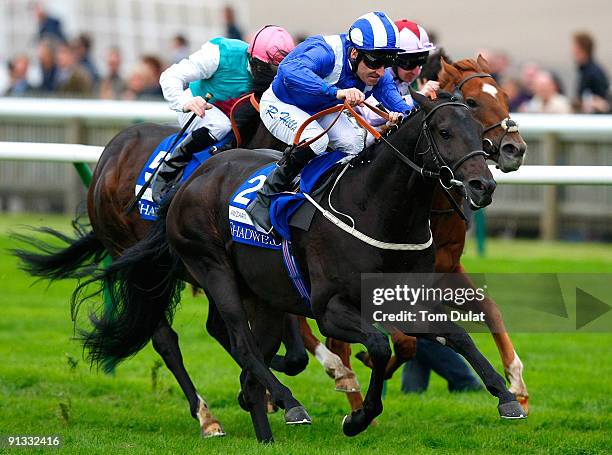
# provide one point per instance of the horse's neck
(395, 197)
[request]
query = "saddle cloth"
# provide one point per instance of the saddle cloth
(146, 206)
(283, 207)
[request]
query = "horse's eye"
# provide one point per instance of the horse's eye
(445, 134)
(471, 102)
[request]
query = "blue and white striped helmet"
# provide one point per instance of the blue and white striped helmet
(374, 32)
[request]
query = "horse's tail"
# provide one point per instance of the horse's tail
(76, 257)
(141, 289)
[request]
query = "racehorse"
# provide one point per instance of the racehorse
(249, 287)
(506, 147)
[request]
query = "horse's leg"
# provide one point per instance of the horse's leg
(219, 283)
(331, 362)
(458, 339)
(268, 333)
(295, 359)
(404, 348)
(347, 380)
(343, 321)
(165, 342)
(513, 367)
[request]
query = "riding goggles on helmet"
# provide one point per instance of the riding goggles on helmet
(409, 62)
(375, 60)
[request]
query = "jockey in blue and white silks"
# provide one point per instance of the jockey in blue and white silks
(226, 69)
(319, 73)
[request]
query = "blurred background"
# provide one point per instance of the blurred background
(116, 49)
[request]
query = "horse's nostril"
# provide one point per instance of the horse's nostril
(476, 185)
(513, 150)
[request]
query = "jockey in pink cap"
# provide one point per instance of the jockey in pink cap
(224, 69)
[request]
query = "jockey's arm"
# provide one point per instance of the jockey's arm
(387, 93)
(304, 73)
(202, 64)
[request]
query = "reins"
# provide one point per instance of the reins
(445, 174)
(232, 116)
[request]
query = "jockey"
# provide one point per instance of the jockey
(414, 41)
(319, 73)
(226, 69)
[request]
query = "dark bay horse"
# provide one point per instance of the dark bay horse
(249, 286)
(489, 105)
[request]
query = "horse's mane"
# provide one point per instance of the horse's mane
(465, 65)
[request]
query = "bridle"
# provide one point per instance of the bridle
(443, 172)
(507, 124)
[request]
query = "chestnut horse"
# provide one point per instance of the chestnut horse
(506, 147)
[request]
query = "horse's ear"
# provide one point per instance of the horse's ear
(483, 63)
(450, 70)
(423, 102)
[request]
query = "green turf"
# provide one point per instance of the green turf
(43, 392)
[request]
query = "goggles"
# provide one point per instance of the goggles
(409, 62)
(375, 60)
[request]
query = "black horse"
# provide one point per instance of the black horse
(389, 200)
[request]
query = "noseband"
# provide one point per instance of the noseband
(507, 124)
(446, 174)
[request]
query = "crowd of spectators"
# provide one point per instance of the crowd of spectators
(535, 89)
(66, 68)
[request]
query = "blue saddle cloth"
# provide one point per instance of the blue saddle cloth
(284, 205)
(146, 206)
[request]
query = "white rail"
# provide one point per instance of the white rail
(526, 175)
(590, 126)
(85, 110)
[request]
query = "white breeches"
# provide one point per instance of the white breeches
(283, 121)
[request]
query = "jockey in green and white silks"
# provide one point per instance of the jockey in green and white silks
(224, 69)
(319, 73)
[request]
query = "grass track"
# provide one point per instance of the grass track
(569, 378)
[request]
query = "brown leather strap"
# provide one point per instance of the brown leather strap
(377, 111)
(254, 103)
(338, 108)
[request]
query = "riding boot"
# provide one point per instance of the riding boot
(171, 171)
(279, 180)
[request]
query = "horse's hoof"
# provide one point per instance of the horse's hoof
(354, 423)
(348, 384)
(511, 410)
(297, 416)
(213, 430)
(524, 402)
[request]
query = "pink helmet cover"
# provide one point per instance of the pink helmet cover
(271, 44)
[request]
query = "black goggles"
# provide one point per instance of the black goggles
(376, 60)
(409, 62)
